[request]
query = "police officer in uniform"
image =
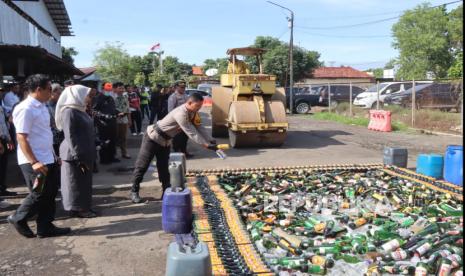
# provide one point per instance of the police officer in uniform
(176, 99)
(157, 141)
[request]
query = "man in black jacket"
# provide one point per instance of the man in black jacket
(155, 104)
(105, 117)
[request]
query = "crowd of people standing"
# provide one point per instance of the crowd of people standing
(60, 132)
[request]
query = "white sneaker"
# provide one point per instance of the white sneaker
(134, 134)
(141, 133)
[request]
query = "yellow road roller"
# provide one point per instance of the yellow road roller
(248, 107)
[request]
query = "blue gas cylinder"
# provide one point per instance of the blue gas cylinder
(177, 211)
(453, 165)
(430, 165)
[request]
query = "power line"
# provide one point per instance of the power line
(344, 36)
(283, 33)
(348, 17)
(369, 22)
(349, 26)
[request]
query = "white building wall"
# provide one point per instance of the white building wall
(38, 11)
(16, 30)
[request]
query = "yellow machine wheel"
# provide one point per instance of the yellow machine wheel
(280, 95)
(243, 112)
(222, 98)
(238, 139)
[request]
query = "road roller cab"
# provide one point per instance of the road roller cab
(244, 106)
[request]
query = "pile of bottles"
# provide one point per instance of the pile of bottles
(306, 222)
(225, 245)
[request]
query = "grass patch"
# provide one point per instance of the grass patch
(360, 118)
(358, 121)
(401, 118)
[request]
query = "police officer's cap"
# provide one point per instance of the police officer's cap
(180, 83)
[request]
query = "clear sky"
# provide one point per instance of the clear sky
(196, 30)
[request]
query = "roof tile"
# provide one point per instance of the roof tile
(339, 72)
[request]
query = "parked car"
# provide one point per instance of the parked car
(207, 87)
(339, 93)
(369, 98)
(303, 97)
(201, 92)
(443, 96)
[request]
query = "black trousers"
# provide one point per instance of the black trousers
(180, 142)
(3, 166)
(136, 119)
(42, 203)
(145, 111)
(153, 115)
(108, 133)
(148, 150)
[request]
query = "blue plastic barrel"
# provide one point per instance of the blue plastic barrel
(453, 165)
(430, 165)
(176, 211)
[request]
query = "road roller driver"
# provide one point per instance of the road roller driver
(157, 141)
(239, 66)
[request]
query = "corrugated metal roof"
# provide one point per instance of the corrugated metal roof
(59, 14)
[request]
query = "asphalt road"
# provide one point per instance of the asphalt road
(127, 239)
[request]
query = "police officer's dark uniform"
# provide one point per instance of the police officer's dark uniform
(105, 118)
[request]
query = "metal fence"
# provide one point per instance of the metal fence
(444, 95)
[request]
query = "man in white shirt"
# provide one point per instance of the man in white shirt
(37, 161)
(10, 99)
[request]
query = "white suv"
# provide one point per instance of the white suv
(368, 98)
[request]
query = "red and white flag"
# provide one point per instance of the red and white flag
(154, 47)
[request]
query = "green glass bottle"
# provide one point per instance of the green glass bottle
(445, 267)
(324, 250)
(316, 269)
(407, 222)
(392, 245)
(451, 211)
(421, 269)
(347, 258)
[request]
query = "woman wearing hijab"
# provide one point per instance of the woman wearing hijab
(77, 151)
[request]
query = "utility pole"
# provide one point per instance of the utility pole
(291, 55)
(291, 62)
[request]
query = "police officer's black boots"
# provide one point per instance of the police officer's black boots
(135, 198)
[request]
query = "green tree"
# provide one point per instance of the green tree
(456, 38)
(455, 28)
(220, 63)
(421, 36)
(140, 79)
(391, 64)
(158, 78)
(377, 72)
(276, 59)
(68, 54)
(175, 69)
(115, 64)
(456, 70)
